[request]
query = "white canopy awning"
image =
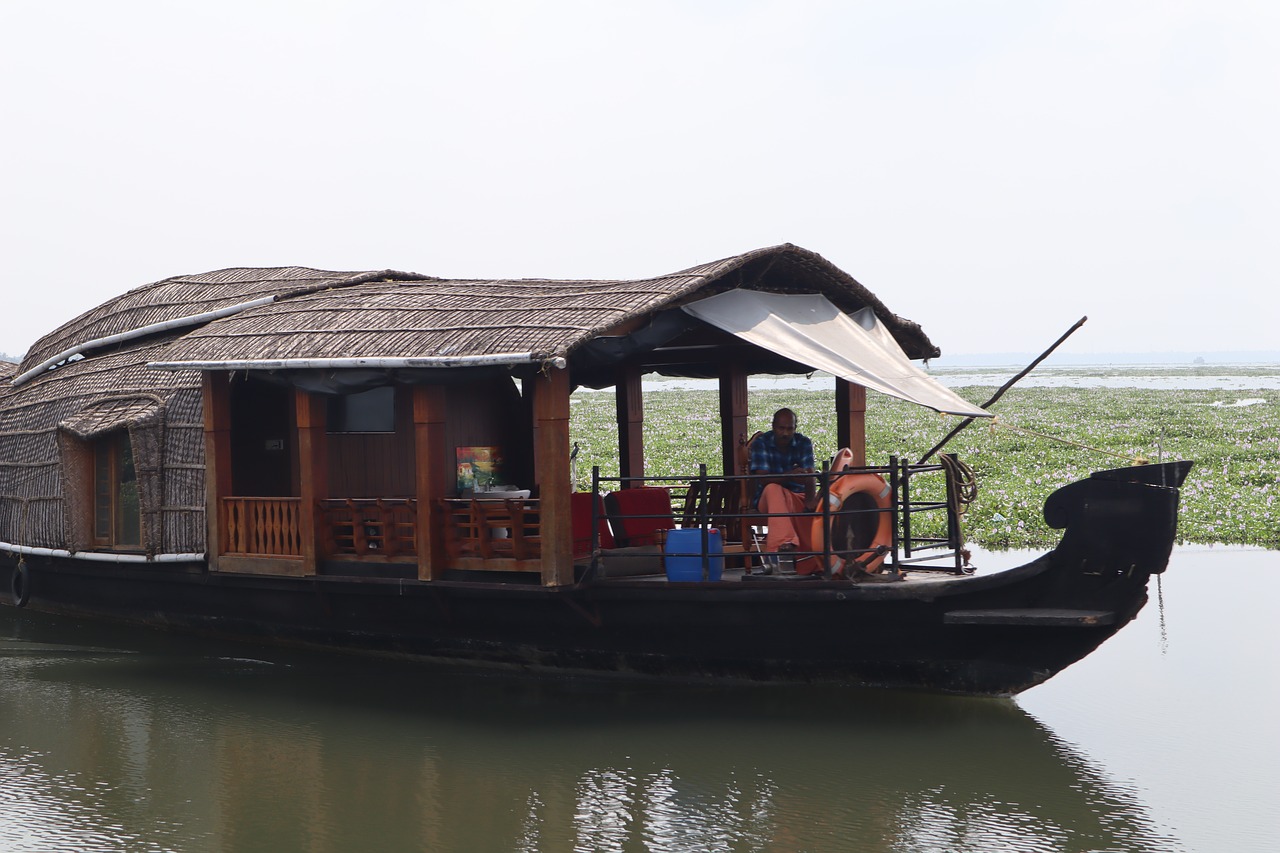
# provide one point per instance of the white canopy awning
(809, 329)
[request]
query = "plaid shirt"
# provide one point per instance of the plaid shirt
(768, 457)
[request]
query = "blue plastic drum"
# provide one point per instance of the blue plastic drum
(684, 558)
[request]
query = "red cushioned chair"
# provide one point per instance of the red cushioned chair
(637, 515)
(580, 504)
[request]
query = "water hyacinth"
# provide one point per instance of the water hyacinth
(1229, 497)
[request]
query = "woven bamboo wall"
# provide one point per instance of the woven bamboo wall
(39, 493)
(45, 475)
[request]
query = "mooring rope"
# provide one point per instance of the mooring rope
(1133, 460)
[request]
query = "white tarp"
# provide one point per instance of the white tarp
(809, 329)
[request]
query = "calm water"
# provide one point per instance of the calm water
(1166, 739)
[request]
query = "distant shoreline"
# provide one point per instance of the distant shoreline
(1101, 359)
(1226, 378)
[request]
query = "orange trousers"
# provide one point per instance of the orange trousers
(784, 530)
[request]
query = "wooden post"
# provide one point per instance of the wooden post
(216, 396)
(733, 414)
(551, 415)
(630, 401)
(433, 464)
(313, 474)
(851, 418)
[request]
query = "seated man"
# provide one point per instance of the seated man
(788, 457)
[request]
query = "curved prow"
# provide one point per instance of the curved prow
(1170, 474)
(1119, 522)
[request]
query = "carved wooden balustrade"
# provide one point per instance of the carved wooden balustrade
(261, 526)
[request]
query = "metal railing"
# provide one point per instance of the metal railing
(924, 529)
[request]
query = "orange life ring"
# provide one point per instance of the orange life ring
(842, 487)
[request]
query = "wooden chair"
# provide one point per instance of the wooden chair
(747, 488)
(713, 502)
(750, 532)
(526, 529)
(464, 530)
(493, 528)
(355, 527)
(399, 521)
(508, 528)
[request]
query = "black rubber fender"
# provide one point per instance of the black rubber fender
(20, 585)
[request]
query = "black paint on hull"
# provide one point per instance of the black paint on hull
(997, 634)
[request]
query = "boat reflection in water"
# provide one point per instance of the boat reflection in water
(114, 742)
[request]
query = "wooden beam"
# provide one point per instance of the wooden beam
(551, 416)
(294, 567)
(432, 468)
(733, 414)
(851, 418)
(626, 327)
(630, 404)
(216, 397)
(313, 470)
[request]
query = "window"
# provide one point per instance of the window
(117, 519)
(368, 411)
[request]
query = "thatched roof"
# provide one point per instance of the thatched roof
(403, 317)
(185, 296)
(293, 313)
(94, 374)
(106, 391)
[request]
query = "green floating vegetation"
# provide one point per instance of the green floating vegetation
(1233, 438)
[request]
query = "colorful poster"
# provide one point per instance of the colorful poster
(479, 468)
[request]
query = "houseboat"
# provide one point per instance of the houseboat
(381, 462)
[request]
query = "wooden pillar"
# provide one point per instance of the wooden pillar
(433, 465)
(216, 396)
(313, 474)
(630, 400)
(733, 414)
(851, 418)
(551, 416)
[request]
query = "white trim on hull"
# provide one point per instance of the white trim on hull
(100, 556)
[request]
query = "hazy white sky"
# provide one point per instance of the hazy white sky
(992, 170)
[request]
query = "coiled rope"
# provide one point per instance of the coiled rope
(965, 482)
(963, 491)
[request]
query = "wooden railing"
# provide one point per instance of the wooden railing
(493, 535)
(267, 526)
(497, 535)
(369, 527)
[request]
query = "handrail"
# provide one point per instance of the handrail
(908, 545)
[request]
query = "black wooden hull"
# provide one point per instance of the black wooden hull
(995, 634)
